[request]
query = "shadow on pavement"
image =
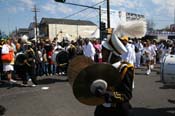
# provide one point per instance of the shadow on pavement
(137, 73)
(154, 112)
(167, 87)
(2, 110)
(171, 101)
(8, 85)
(50, 81)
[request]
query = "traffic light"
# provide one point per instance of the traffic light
(102, 26)
(63, 1)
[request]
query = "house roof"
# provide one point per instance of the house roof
(23, 30)
(65, 21)
(32, 25)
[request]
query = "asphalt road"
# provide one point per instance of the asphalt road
(150, 98)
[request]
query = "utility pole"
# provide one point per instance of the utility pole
(35, 10)
(16, 31)
(174, 15)
(108, 13)
(100, 23)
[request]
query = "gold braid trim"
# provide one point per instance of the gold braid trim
(118, 96)
(125, 69)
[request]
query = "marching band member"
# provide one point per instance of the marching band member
(118, 98)
(149, 54)
(129, 56)
(138, 50)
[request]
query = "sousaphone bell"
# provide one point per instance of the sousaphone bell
(76, 65)
(89, 79)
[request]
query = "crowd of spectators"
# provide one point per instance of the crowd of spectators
(41, 58)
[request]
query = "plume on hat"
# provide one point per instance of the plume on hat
(132, 29)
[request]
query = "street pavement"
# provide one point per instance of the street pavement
(54, 97)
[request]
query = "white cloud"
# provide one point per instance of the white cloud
(158, 1)
(89, 14)
(50, 8)
(21, 5)
(55, 8)
(64, 9)
(117, 2)
(27, 3)
(96, 1)
(12, 9)
(165, 6)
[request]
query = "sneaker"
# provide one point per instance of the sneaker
(13, 81)
(152, 66)
(133, 85)
(148, 71)
(33, 85)
(24, 85)
(63, 73)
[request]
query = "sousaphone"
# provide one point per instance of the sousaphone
(76, 65)
(91, 77)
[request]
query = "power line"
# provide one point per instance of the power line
(91, 17)
(83, 10)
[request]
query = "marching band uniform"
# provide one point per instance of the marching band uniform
(26, 67)
(117, 98)
(129, 56)
(31, 66)
(21, 67)
(138, 50)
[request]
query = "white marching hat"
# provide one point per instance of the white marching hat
(114, 44)
(133, 29)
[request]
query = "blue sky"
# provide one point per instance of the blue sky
(18, 13)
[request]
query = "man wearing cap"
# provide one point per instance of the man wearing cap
(88, 49)
(129, 56)
(117, 98)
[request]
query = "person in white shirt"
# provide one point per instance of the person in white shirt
(154, 47)
(8, 67)
(88, 49)
(129, 56)
(138, 51)
(149, 54)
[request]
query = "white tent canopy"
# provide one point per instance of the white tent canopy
(65, 36)
(95, 34)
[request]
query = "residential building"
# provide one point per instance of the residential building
(71, 29)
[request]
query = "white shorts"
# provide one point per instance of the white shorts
(8, 67)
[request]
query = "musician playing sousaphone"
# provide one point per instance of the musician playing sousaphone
(117, 98)
(107, 85)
